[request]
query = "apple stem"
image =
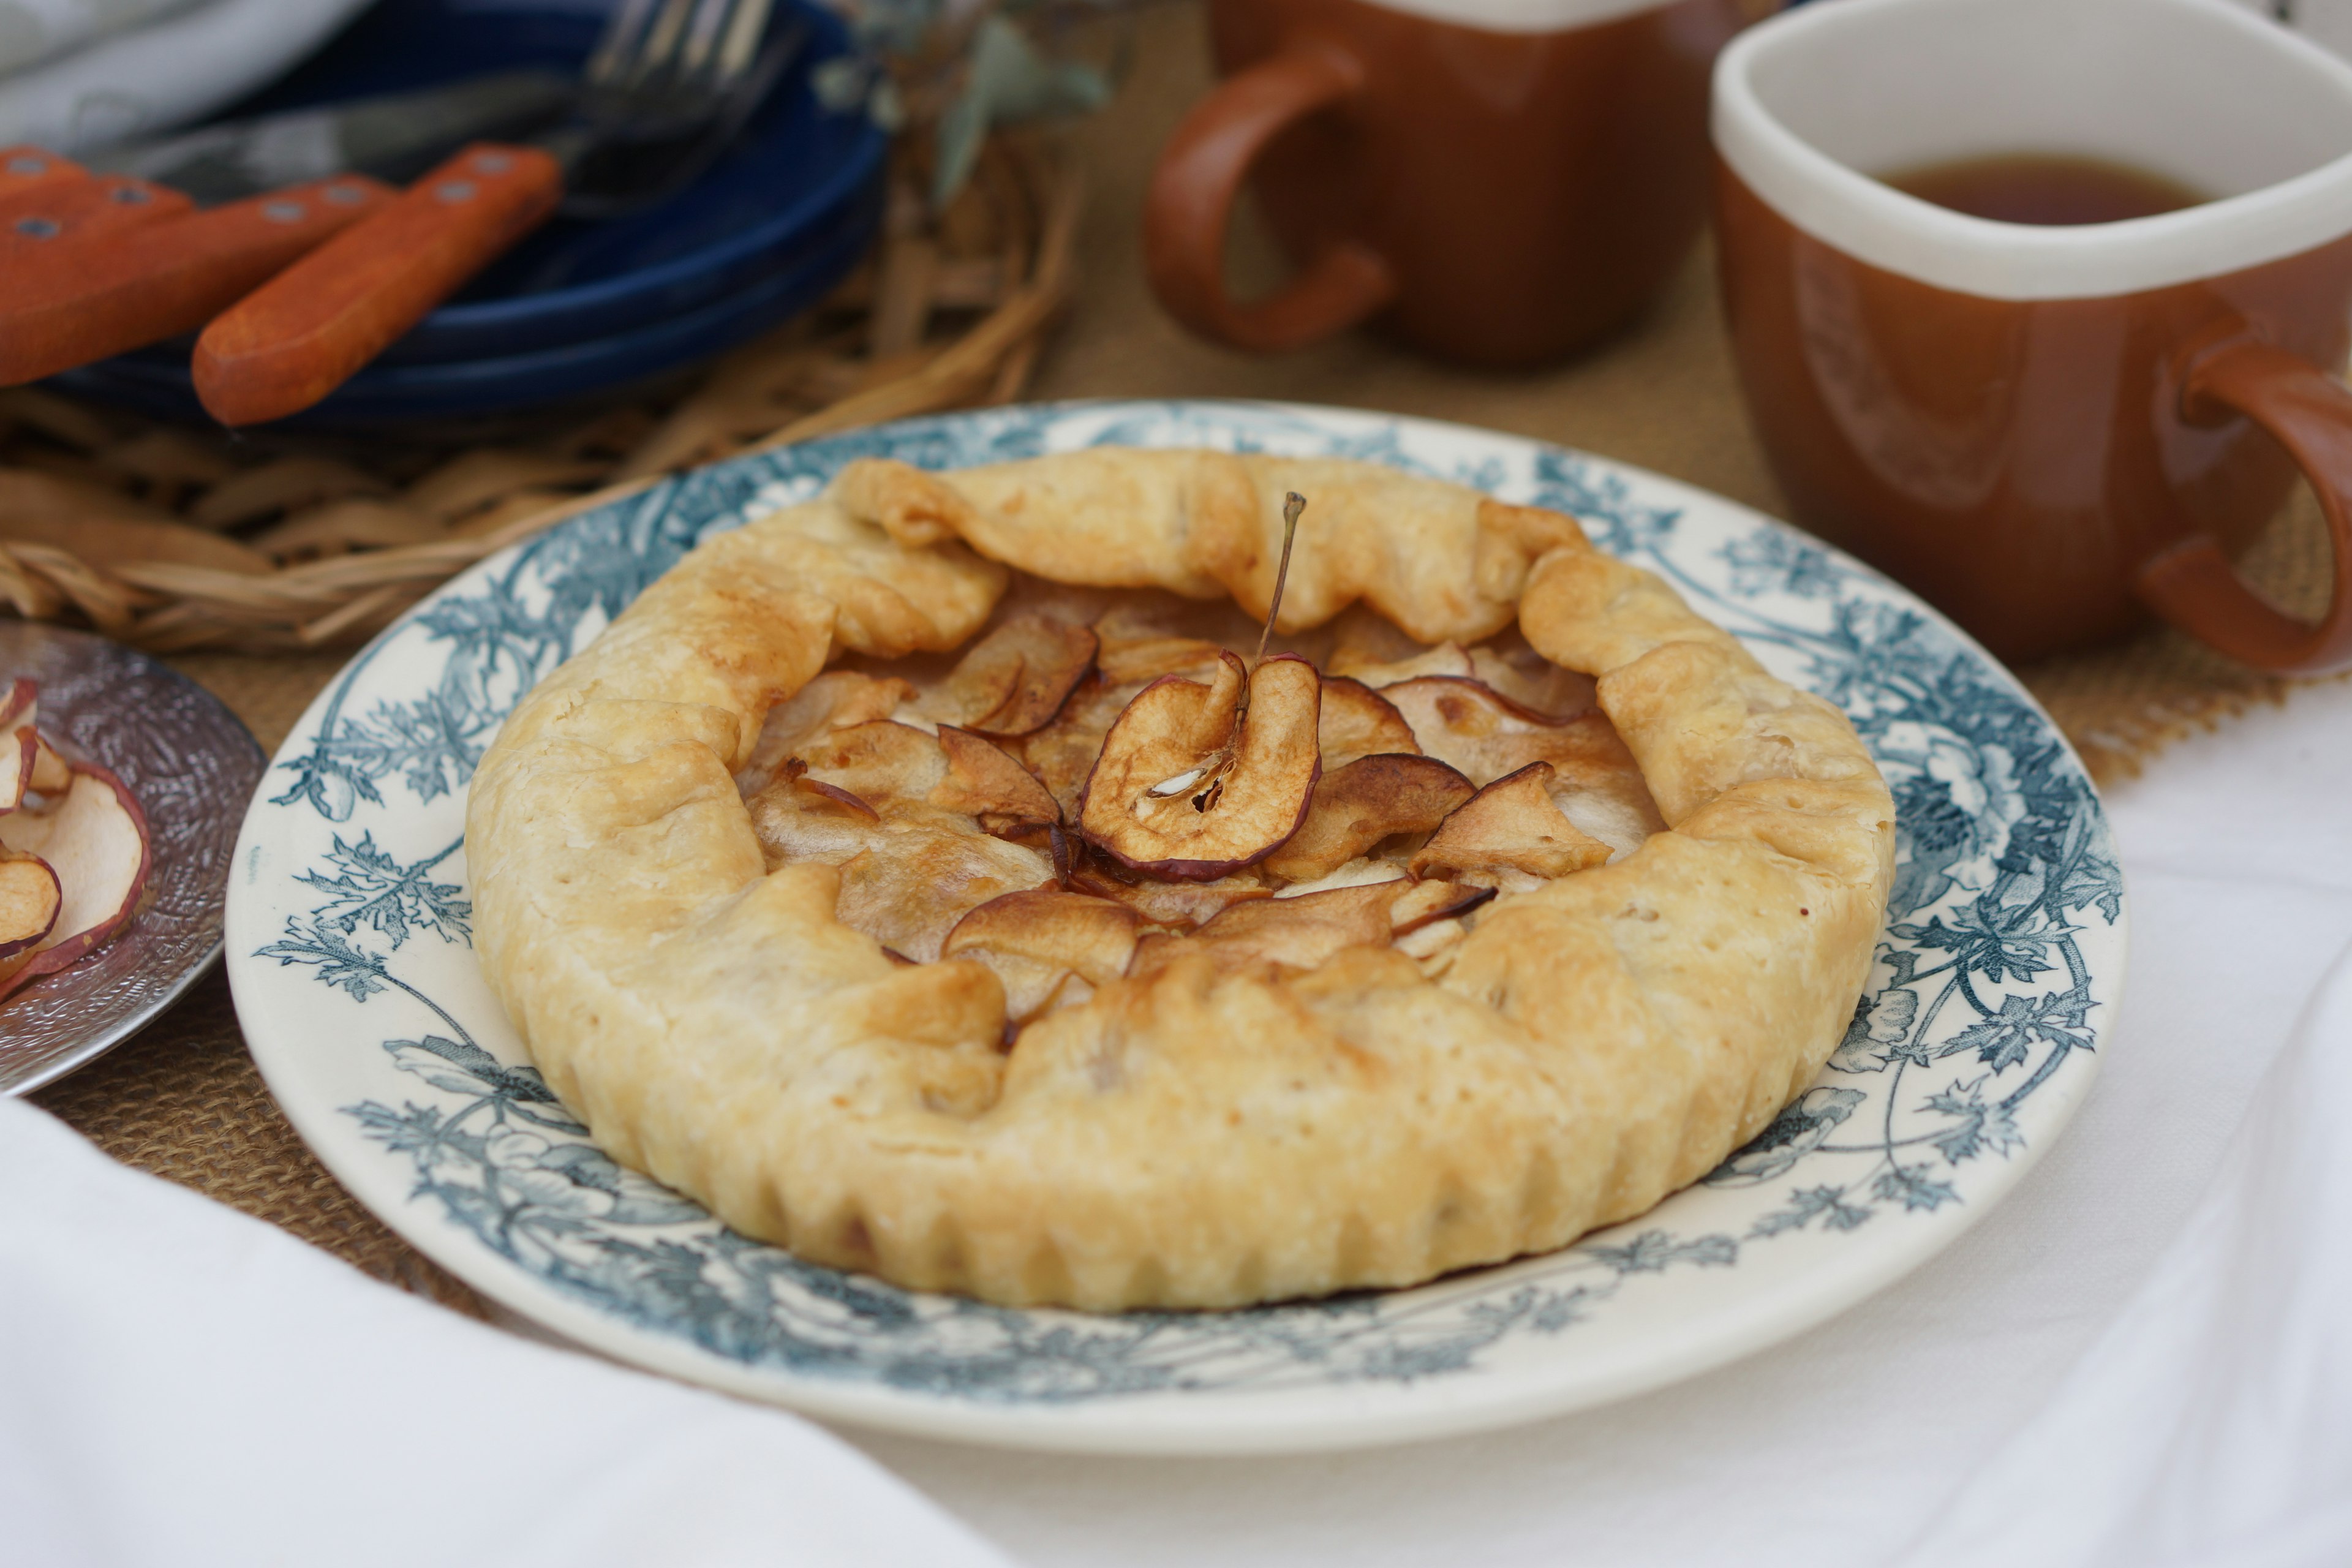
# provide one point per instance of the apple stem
(1292, 503)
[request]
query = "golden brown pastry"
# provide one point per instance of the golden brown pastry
(1244, 1084)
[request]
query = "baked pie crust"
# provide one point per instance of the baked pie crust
(1197, 1133)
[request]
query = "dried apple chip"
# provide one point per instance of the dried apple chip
(1369, 799)
(1595, 779)
(1192, 784)
(1510, 825)
(1302, 933)
(1036, 940)
(837, 699)
(1357, 722)
(1016, 677)
(94, 837)
(908, 890)
(20, 744)
(30, 900)
(880, 761)
(1178, 905)
(990, 786)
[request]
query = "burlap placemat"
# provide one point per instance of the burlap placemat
(184, 1099)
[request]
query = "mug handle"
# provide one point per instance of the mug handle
(2192, 583)
(1190, 203)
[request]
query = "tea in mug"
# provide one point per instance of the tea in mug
(2049, 188)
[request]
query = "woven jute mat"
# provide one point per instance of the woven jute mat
(185, 1102)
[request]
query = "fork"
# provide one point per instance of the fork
(667, 85)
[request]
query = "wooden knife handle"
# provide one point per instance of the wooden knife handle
(87, 299)
(304, 334)
(25, 168)
(62, 215)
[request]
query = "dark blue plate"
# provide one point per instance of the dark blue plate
(384, 394)
(772, 220)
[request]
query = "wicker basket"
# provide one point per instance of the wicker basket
(171, 539)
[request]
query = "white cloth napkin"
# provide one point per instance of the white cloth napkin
(1937, 1423)
(184, 1387)
(170, 71)
(32, 31)
(2212, 1421)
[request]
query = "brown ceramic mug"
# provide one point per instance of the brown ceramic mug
(1497, 182)
(2048, 431)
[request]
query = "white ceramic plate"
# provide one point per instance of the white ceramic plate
(1995, 983)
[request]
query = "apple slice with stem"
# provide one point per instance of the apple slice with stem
(1369, 799)
(1198, 781)
(1511, 824)
(95, 840)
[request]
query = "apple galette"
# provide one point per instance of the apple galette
(943, 878)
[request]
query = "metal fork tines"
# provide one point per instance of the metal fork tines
(663, 47)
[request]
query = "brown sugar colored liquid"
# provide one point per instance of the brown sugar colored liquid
(2045, 188)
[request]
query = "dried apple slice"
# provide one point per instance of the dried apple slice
(1016, 677)
(1146, 656)
(921, 878)
(1178, 905)
(1036, 940)
(1447, 659)
(1363, 802)
(30, 899)
(1525, 676)
(1304, 932)
(1510, 825)
(1062, 753)
(878, 763)
(51, 773)
(989, 785)
(1595, 779)
(95, 840)
(20, 745)
(1357, 722)
(1192, 784)
(837, 699)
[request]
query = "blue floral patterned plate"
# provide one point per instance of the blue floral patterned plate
(1996, 984)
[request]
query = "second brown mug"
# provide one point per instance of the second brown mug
(1494, 182)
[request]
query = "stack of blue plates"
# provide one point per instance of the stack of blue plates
(580, 309)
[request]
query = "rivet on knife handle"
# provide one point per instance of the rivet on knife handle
(68, 212)
(304, 334)
(86, 300)
(26, 169)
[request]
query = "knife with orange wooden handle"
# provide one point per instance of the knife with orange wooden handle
(304, 334)
(66, 305)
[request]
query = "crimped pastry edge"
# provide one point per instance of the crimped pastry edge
(1189, 1139)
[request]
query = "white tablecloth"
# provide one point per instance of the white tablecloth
(2127, 1364)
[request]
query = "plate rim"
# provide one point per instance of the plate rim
(1788, 1309)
